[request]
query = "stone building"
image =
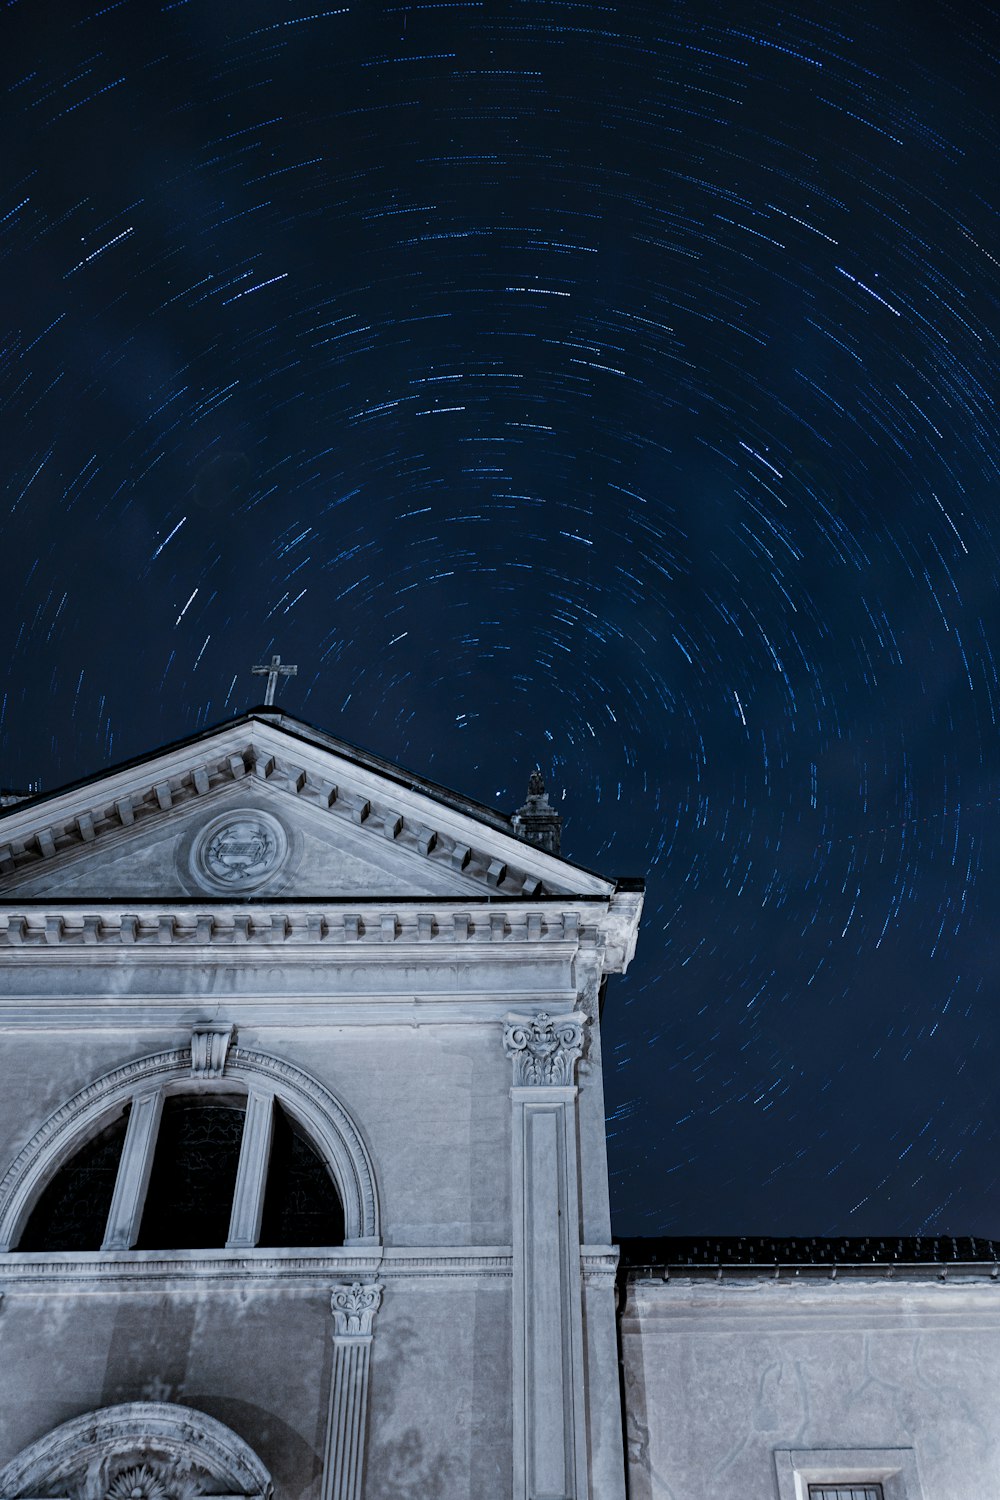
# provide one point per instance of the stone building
(302, 1162)
(303, 1182)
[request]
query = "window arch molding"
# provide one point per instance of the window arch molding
(159, 1449)
(320, 1114)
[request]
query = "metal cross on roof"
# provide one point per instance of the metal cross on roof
(272, 672)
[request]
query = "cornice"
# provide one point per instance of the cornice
(291, 1012)
(139, 1271)
(255, 752)
(599, 1264)
(94, 925)
(665, 1308)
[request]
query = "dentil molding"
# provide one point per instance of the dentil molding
(40, 926)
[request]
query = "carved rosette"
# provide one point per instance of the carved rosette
(544, 1050)
(354, 1308)
(147, 1481)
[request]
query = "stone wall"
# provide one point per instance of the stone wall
(751, 1388)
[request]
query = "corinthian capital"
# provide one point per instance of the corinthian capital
(543, 1050)
(354, 1308)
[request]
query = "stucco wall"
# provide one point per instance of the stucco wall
(259, 1360)
(720, 1378)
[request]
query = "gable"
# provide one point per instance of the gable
(254, 810)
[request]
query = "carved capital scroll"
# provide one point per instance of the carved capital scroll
(354, 1308)
(544, 1050)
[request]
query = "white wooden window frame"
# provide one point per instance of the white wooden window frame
(895, 1469)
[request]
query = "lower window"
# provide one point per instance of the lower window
(846, 1492)
(847, 1474)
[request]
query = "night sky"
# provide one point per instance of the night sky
(602, 385)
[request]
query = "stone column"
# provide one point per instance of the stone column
(550, 1453)
(354, 1307)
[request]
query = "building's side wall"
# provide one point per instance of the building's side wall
(721, 1377)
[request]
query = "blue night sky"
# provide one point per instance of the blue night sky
(604, 385)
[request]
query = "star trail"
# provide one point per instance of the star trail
(607, 386)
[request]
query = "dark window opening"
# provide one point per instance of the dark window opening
(845, 1492)
(73, 1210)
(190, 1195)
(301, 1204)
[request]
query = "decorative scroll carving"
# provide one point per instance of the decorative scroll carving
(354, 1308)
(209, 1047)
(543, 1050)
(241, 852)
(142, 1450)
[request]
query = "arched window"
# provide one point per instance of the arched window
(191, 1165)
(73, 1209)
(154, 1157)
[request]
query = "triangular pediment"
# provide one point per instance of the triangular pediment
(265, 806)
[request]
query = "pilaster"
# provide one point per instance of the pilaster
(354, 1307)
(550, 1455)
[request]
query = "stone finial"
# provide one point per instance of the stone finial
(543, 1050)
(209, 1049)
(536, 821)
(10, 797)
(354, 1307)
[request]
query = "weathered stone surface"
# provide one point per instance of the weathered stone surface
(221, 917)
(724, 1381)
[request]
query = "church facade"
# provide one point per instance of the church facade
(233, 973)
(303, 1177)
